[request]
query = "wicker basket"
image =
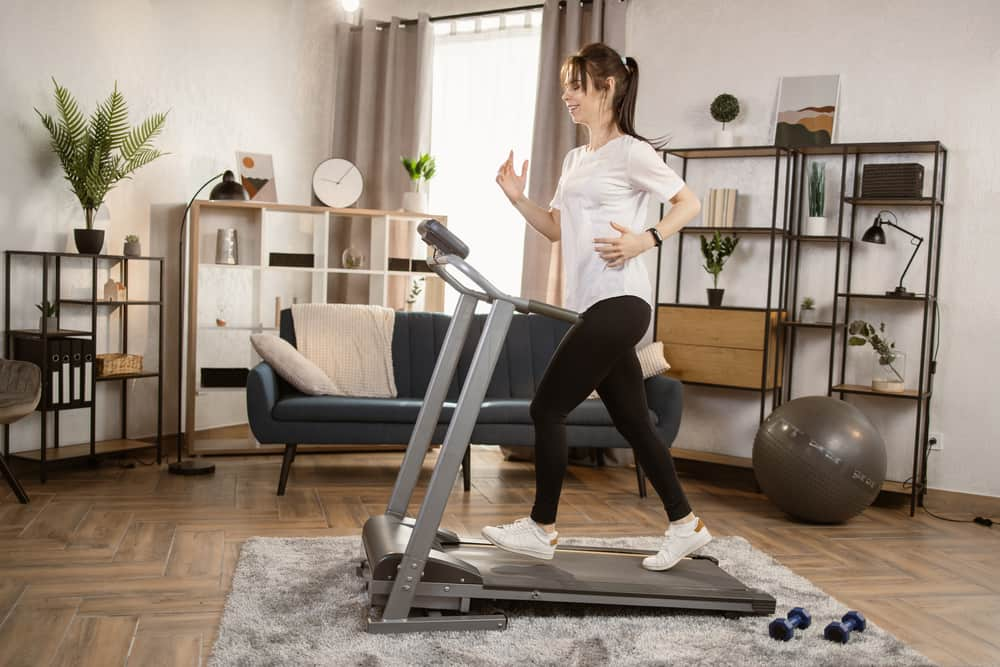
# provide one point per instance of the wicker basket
(118, 364)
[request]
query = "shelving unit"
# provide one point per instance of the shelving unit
(788, 259)
(18, 341)
(776, 233)
(244, 294)
(844, 292)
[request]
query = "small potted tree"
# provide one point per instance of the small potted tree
(132, 246)
(421, 169)
(716, 251)
(888, 363)
(807, 311)
(98, 153)
(48, 321)
(817, 198)
(725, 108)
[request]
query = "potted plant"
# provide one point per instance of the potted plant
(725, 108)
(817, 197)
(415, 290)
(807, 311)
(888, 363)
(132, 246)
(716, 252)
(421, 169)
(48, 321)
(98, 153)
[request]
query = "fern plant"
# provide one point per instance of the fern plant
(98, 152)
(716, 251)
(817, 190)
(421, 168)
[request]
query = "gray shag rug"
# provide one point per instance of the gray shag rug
(299, 602)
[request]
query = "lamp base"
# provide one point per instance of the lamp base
(900, 291)
(190, 467)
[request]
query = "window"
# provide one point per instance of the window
(485, 76)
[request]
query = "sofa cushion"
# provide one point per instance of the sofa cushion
(291, 365)
(518, 411)
(296, 407)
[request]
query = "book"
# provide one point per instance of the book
(720, 207)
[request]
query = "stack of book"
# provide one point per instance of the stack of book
(720, 207)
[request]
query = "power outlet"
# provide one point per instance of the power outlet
(935, 441)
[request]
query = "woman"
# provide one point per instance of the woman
(598, 213)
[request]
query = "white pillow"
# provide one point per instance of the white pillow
(651, 360)
(289, 363)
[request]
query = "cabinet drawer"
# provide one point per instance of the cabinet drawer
(713, 326)
(726, 366)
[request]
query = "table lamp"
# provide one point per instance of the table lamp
(875, 234)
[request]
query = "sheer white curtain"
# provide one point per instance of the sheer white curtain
(485, 78)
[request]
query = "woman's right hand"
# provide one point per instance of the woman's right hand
(509, 181)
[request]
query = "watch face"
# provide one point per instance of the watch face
(337, 183)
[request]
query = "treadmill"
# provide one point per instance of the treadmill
(421, 578)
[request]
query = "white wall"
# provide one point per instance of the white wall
(234, 76)
(910, 70)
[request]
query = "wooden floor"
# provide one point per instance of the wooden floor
(110, 565)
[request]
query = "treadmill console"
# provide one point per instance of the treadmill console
(438, 236)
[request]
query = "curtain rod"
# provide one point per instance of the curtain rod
(488, 12)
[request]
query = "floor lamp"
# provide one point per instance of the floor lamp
(229, 188)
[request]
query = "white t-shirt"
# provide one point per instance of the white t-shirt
(612, 183)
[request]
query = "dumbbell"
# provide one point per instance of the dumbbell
(784, 628)
(841, 631)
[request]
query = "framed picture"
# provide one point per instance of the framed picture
(806, 111)
(257, 176)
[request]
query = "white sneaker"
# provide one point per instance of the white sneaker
(679, 544)
(524, 537)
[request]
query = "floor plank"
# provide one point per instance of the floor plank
(106, 555)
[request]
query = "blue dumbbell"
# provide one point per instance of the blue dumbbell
(784, 628)
(852, 621)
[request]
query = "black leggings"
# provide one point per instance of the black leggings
(599, 352)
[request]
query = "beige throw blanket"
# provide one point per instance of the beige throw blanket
(352, 343)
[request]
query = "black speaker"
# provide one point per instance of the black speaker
(900, 180)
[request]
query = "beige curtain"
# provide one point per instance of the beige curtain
(381, 111)
(566, 27)
(564, 31)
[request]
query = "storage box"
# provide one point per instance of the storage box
(118, 364)
(718, 346)
(899, 180)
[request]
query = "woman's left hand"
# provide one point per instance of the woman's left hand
(615, 251)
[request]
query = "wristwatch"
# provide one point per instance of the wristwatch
(656, 236)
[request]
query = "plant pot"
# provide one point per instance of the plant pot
(889, 374)
(807, 315)
(415, 201)
(715, 296)
(51, 322)
(133, 248)
(723, 138)
(816, 225)
(89, 241)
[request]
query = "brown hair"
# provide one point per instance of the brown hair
(601, 62)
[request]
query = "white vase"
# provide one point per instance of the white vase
(723, 138)
(415, 202)
(807, 315)
(816, 225)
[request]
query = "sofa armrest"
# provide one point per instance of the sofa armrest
(665, 397)
(262, 395)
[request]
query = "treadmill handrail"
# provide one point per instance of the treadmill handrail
(440, 261)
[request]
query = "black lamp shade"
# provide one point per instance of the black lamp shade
(229, 188)
(875, 234)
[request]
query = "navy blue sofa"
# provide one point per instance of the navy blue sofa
(279, 414)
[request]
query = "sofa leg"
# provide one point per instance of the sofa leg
(467, 468)
(286, 466)
(640, 477)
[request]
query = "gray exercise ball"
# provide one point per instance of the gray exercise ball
(819, 459)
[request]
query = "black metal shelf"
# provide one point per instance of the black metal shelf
(873, 201)
(100, 302)
(809, 325)
(862, 390)
(738, 231)
(919, 298)
(819, 238)
(53, 451)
